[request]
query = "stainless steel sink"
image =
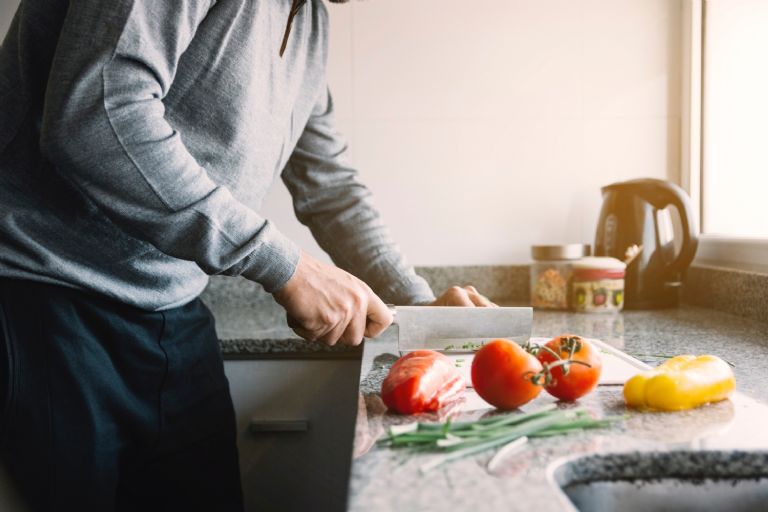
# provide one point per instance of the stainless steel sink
(735, 481)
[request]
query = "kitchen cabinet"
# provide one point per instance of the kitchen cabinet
(296, 424)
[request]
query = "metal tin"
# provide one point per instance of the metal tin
(560, 252)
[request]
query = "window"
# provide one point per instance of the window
(735, 118)
(728, 126)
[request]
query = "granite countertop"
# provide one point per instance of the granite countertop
(384, 479)
(279, 347)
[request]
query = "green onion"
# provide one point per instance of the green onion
(454, 440)
(514, 446)
(396, 430)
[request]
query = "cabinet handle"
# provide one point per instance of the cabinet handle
(259, 426)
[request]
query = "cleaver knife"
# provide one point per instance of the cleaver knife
(458, 329)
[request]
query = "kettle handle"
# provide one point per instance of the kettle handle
(668, 193)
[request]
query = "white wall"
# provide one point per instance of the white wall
(485, 126)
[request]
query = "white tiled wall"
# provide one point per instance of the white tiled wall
(486, 126)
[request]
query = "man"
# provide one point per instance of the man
(137, 139)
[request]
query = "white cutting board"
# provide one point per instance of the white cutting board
(617, 366)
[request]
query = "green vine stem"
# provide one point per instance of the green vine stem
(546, 372)
(569, 344)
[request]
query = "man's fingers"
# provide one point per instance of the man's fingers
(457, 296)
(332, 336)
(328, 332)
(303, 333)
(478, 299)
(299, 329)
(466, 296)
(353, 334)
(378, 318)
(481, 301)
(292, 322)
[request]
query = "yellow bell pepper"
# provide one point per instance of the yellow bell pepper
(683, 382)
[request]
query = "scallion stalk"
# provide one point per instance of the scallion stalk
(455, 440)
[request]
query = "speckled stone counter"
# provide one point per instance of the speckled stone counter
(384, 479)
(285, 348)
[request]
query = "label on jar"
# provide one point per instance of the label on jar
(601, 295)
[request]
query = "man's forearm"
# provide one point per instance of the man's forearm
(337, 208)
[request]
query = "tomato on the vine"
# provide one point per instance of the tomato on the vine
(571, 380)
(501, 374)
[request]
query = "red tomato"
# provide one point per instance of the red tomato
(501, 372)
(580, 379)
(422, 380)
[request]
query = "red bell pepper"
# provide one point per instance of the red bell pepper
(420, 381)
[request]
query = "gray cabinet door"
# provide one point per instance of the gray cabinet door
(296, 423)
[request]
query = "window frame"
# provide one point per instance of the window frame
(727, 250)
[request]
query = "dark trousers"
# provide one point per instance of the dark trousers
(108, 407)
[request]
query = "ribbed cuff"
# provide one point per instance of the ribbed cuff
(274, 261)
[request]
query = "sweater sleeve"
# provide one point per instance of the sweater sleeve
(339, 211)
(104, 129)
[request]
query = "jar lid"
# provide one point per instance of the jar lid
(560, 252)
(599, 263)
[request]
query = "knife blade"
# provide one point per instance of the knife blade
(458, 329)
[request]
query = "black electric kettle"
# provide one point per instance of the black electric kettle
(634, 213)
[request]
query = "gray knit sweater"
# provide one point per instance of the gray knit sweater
(138, 138)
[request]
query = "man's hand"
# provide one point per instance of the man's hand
(466, 296)
(325, 303)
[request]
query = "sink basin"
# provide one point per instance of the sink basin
(735, 481)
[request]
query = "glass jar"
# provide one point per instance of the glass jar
(551, 273)
(598, 285)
